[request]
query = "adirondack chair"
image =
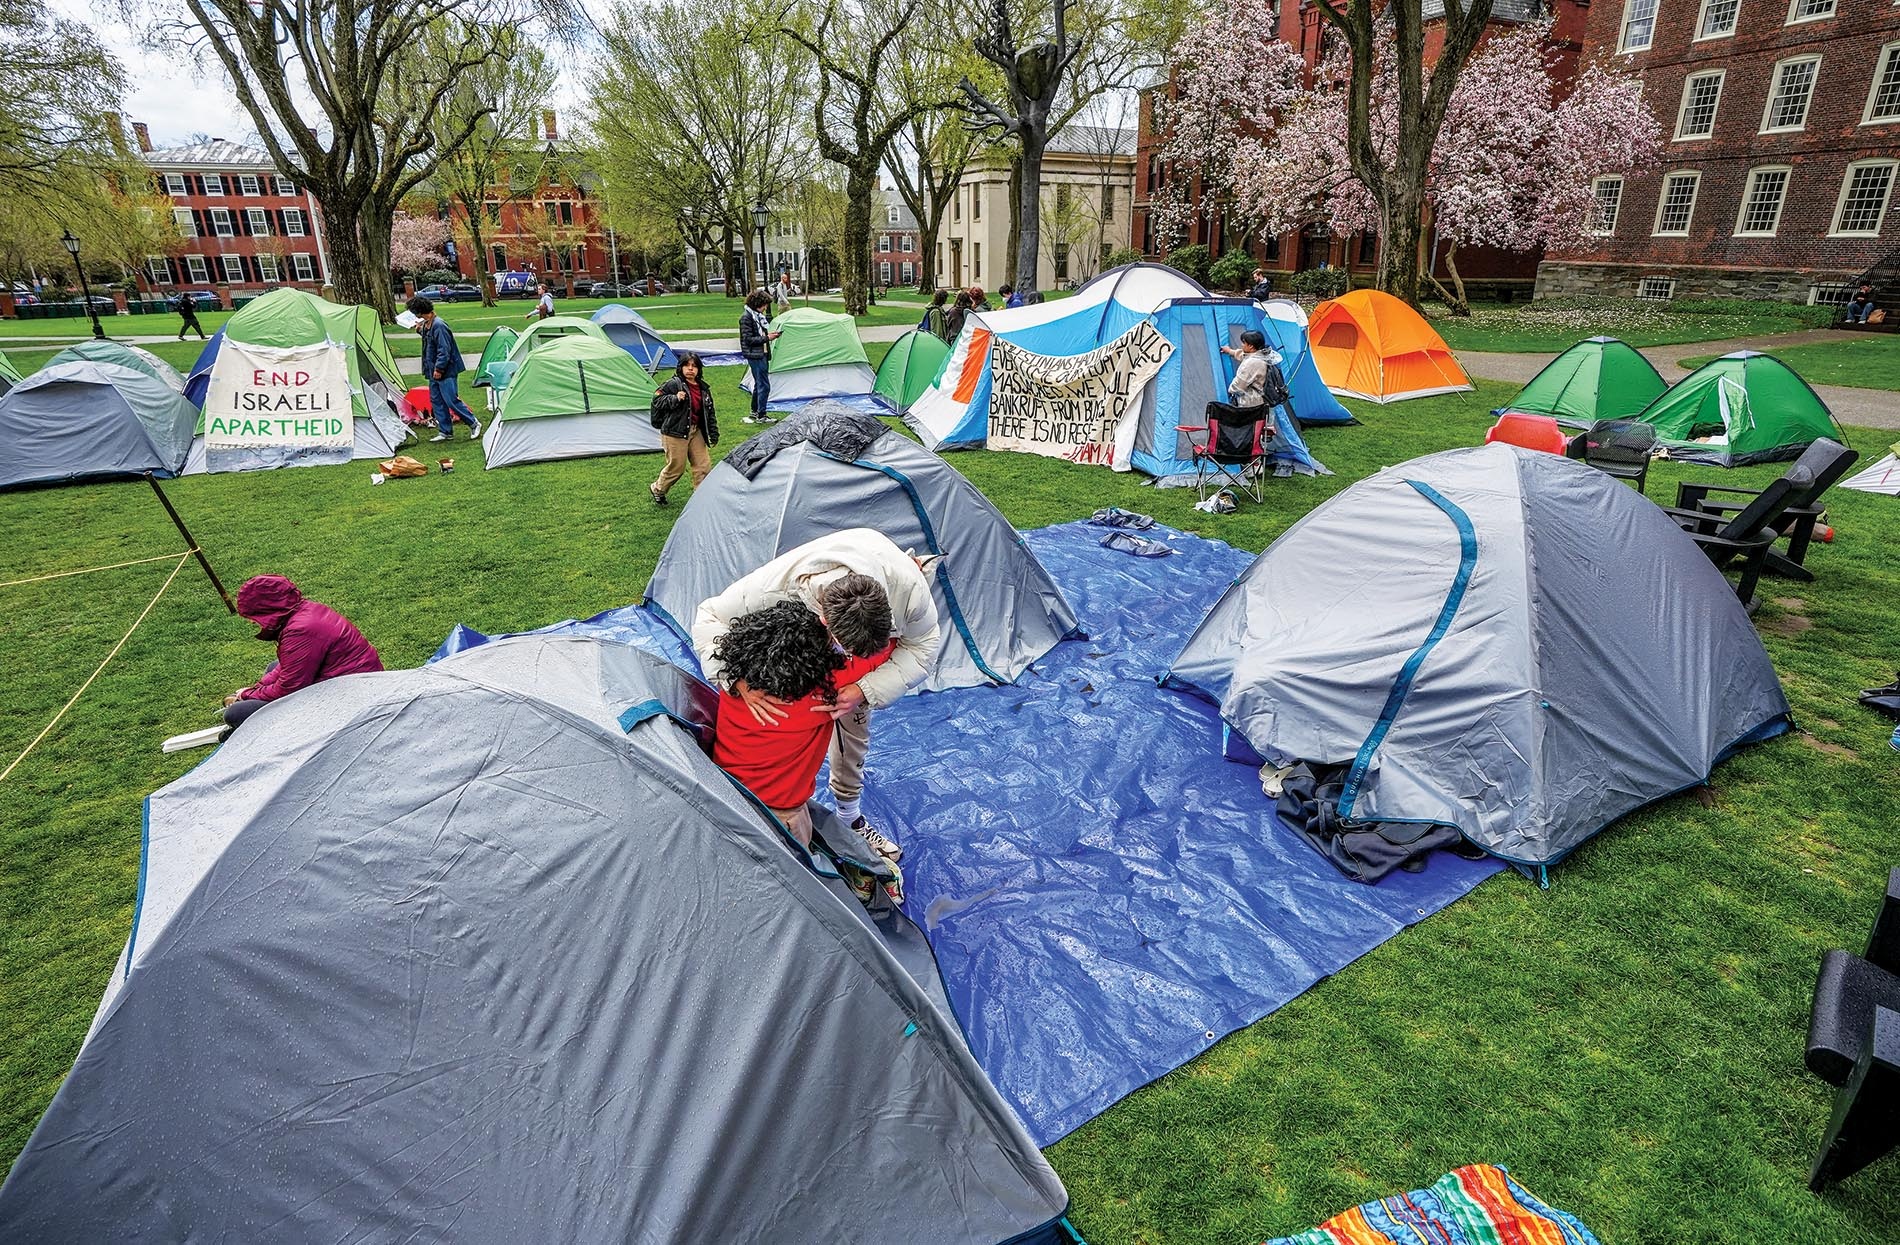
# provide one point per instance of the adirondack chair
(1826, 462)
(1854, 1045)
(1743, 539)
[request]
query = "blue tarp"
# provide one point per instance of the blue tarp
(1106, 896)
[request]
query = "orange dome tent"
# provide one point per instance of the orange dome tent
(1368, 344)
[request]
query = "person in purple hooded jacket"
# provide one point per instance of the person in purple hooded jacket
(314, 643)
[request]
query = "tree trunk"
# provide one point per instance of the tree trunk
(725, 262)
(859, 184)
(374, 224)
(927, 259)
(1029, 212)
(1455, 298)
(479, 258)
(341, 211)
(1012, 251)
(1403, 233)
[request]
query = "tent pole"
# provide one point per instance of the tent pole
(191, 545)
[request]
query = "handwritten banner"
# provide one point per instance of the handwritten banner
(1073, 406)
(266, 395)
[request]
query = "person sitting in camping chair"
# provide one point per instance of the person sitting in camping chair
(1232, 450)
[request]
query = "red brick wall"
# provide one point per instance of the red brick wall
(1711, 259)
(590, 257)
(244, 243)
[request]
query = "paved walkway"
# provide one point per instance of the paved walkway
(1871, 408)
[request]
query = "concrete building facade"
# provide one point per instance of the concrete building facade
(1088, 181)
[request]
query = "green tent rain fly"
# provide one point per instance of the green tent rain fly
(576, 397)
(818, 356)
(1598, 378)
(912, 364)
(500, 342)
(1740, 409)
(9, 375)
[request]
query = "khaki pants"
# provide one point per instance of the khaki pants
(850, 740)
(798, 821)
(682, 452)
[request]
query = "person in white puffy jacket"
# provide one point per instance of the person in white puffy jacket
(874, 598)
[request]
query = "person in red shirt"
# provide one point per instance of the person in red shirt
(784, 650)
(314, 643)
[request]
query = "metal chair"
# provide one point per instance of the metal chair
(1229, 450)
(1617, 447)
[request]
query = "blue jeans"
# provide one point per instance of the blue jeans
(447, 405)
(761, 384)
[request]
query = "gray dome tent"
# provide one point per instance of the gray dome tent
(828, 468)
(1499, 640)
(562, 982)
(85, 420)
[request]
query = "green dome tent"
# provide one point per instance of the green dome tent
(1598, 378)
(576, 397)
(9, 375)
(138, 360)
(500, 342)
(541, 332)
(1742, 408)
(912, 364)
(818, 356)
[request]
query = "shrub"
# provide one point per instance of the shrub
(1319, 282)
(438, 276)
(1120, 257)
(1232, 271)
(1192, 260)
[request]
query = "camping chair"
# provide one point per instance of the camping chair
(1530, 432)
(1854, 1045)
(1745, 539)
(1230, 449)
(1617, 447)
(1826, 461)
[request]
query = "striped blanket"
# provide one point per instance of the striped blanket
(1476, 1205)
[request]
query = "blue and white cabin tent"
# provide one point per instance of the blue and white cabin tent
(954, 412)
(829, 468)
(1495, 639)
(629, 330)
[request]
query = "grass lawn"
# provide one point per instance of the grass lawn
(1628, 1042)
(1557, 323)
(1863, 360)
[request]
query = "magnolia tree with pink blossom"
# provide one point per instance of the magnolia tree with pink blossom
(417, 243)
(1511, 166)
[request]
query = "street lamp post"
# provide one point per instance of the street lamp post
(71, 244)
(761, 214)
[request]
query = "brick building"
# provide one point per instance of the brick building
(247, 226)
(896, 248)
(552, 228)
(1486, 271)
(1782, 124)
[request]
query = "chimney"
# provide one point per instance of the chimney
(547, 123)
(144, 133)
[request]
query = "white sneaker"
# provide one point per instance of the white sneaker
(475, 432)
(438, 437)
(879, 844)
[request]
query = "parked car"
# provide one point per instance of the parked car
(99, 301)
(460, 293)
(608, 289)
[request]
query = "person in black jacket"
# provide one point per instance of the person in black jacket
(755, 343)
(959, 312)
(683, 412)
(187, 308)
(442, 368)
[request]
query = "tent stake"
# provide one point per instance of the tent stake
(190, 545)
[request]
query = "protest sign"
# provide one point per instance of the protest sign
(1072, 406)
(272, 396)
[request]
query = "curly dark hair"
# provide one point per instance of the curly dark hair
(857, 613)
(783, 650)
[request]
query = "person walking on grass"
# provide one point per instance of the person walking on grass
(187, 308)
(544, 305)
(755, 343)
(442, 368)
(683, 412)
(875, 600)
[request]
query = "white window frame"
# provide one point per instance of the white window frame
(1715, 107)
(285, 186)
(1645, 287)
(1794, 9)
(1886, 201)
(259, 221)
(293, 223)
(216, 179)
(176, 185)
(196, 270)
(909, 271)
(187, 227)
(1616, 215)
(1623, 44)
(884, 244)
(268, 269)
(890, 214)
(221, 228)
(1662, 201)
(883, 272)
(1748, 193)
(1774, 90)
(1702, 17)
(226, 263)
(1887, 61)
(156, 271)
(303, 267)
(1830, 295)
(247, 184)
